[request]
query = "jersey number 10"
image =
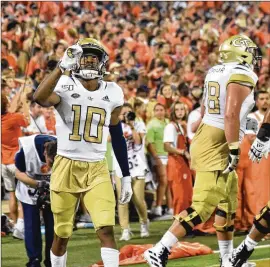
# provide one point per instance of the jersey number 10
(213, 98)
(88, 125)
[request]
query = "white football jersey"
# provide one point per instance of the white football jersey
(83, 118)
(215, 89)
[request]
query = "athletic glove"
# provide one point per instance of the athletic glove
(233, 157)
(71, 58)
(261, 145)
(126, 190)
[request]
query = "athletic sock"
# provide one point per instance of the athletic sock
(168, 240)
(110, 257)
(250, 243)
(58, 261)
(225, 247)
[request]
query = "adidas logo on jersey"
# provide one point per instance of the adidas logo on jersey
(106, 98)
(90, 98)
(75, 95)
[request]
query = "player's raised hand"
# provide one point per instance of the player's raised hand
(233, 157)
(126, 190)
(71, 58)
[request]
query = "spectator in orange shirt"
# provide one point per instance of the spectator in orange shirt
(36, 62)
(49, 117)
(5, 54)
(11, 131)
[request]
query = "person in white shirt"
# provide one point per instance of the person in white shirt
(262, 103)
(134, 133)
(37, 121)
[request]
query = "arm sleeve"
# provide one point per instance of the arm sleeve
(169, 136)
(20, 161)
(120, 148)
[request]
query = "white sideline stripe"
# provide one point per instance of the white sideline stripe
(258, 247)
(217, 265)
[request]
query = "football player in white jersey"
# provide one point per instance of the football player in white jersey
(228, 98)
(261, 225)
(87, 109)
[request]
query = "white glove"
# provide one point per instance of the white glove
(126, 190)
(71, 58)
(233, 157)
(258, 150)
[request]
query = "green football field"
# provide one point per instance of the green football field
(83, 248)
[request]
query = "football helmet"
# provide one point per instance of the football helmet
(240, 48)
(93, 59)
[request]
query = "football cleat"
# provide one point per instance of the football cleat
(157, 256)
(240, 256)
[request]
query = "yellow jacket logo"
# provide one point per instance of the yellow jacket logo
(241, 42)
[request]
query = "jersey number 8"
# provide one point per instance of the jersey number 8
(213, 98)
(88, 136)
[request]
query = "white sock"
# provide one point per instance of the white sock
(58, 261)
(168, 240)
(225, 247)
(20, 224)
(110, 257)
(250, 243)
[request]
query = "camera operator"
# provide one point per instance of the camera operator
(33, 164)
(134, 132)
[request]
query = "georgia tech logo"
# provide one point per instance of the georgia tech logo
(69, 53)
(241, 42)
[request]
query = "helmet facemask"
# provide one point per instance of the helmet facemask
(92, 63)
(256, 57)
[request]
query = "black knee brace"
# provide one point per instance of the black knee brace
(192, 217)
(264, 214)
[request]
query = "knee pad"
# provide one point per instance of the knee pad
(63, 230)
(226, 227)
(192, 217)
(264, 214)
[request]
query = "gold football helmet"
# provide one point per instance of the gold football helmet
(93, 60)
(240, 48)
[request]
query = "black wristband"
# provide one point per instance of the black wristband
(264, 132)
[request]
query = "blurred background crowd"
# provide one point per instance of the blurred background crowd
(159, 53)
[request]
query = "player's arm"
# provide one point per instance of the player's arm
(44, 94)
(261, 145)
(120, 150)
(236, 94)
